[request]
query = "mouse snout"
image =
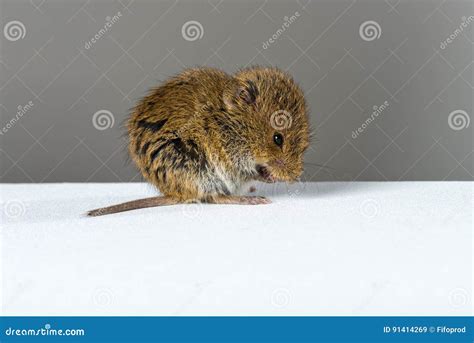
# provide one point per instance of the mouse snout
(286, 171)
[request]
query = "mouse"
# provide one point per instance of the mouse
(203, 135)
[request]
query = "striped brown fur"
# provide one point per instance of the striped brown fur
(203, 134)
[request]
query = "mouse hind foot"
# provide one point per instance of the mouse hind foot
(133, 205)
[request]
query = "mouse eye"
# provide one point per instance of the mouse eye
(278, 139)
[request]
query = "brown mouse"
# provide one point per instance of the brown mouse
(203, 134)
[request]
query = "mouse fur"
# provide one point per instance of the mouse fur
(203, 134)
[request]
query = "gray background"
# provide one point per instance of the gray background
(343, 75)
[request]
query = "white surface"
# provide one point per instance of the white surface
(330, 249)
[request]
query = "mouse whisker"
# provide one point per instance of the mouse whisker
(324, 168)
(319, 165)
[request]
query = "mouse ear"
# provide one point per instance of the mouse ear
(241, 93)
(248, 93)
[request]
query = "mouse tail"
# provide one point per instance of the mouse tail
(133, 205)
